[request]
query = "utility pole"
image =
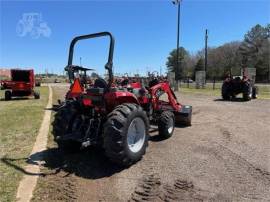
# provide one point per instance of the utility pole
(178, 3)
(80, 61)
(205, 52)
(268, 73)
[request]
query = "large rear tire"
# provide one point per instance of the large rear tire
(166, 124)
(225, 91)
(63, 124)
(126, 133)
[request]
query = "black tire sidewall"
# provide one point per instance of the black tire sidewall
(225, 91)
(163, 124)
(8, 95)
(36, 95)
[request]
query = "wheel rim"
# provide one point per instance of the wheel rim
(170, 126)
(136, 134)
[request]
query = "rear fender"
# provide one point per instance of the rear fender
(114, 99)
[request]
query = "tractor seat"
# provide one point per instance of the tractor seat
(99, 88)
(100, 83)
(95, 91)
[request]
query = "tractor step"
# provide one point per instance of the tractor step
(70, 136)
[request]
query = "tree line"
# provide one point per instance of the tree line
(252, 52)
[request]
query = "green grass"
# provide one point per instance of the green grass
(264, 90)
(19, 124)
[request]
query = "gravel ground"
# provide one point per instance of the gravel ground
(223, 156)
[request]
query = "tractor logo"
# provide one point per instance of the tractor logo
(32, 24)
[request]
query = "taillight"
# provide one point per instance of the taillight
(87, 102)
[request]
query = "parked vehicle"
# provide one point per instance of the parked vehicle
(22, 83)
(188, 81)
(234, 85)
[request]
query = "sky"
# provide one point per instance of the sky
(144, 31)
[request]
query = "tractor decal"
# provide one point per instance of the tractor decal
(32, 24)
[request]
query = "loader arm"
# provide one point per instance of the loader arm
(164, 87)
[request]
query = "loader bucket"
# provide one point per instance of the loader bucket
(183, 116)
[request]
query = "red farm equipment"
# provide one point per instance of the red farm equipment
(128, 82)
(116, 117)
(22, 84)
(234, 85)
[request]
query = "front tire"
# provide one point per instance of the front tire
(166, 124)
(126, 133)
(36, 95)
(7, 95)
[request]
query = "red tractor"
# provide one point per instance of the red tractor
(114, 117)
(22, 83)
(129, 82)
(234, 85)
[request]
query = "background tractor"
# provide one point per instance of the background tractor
(22, 84)
(116, 117)
(234, 85)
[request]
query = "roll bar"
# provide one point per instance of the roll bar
(108, 65)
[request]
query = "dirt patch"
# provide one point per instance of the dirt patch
(148, 190)
(152, 189)
(58, 187)
(226, 133)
